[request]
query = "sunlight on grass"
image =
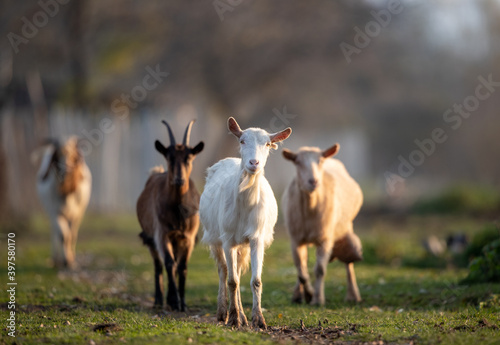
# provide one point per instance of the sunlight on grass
(114, 286)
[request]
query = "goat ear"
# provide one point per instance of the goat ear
(198, 148)
(233, 126)
(331, 151)
(160, 148)
(280, 136)
(289, 155)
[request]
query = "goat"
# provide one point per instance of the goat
(64, 185)
(167, 210)
(319, 206)
(238, 211)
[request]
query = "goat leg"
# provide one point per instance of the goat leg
(63, 231)
(158, 276)
(173, 300)
(257, 259)
(303, 288)
(322, 256)
(218, 254)
(352, 285)
(243, 318)
(233, 286)
(182, 271)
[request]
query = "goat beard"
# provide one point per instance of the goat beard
(247, 182)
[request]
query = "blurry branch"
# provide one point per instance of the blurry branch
(5, 75)
(5, 81)
(37, 98)
(76, 21)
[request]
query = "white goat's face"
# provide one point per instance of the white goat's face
(309, 163)
(255, 145)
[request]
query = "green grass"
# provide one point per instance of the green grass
(114, 287)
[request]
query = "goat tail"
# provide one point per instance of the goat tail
(159, 169)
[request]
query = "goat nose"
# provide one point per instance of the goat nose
(179, 181)
(254, 162)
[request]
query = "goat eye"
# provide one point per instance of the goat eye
(242, 142)
(268, 144)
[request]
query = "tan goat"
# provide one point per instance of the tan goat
(319, 206)
(64, 184)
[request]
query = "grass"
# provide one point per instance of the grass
(109, 299)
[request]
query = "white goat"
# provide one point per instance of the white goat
(64, 183)
(319, 206)
(238, 210)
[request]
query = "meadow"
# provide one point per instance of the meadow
(108, 299)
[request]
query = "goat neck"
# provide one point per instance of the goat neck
(312, 201)
(175, 193)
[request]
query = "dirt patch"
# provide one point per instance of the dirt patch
(30, 308)
(107, 328)
(321, 334)
(466, 328)
(312, 335)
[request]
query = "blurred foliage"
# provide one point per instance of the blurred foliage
(462, 198)
(486, 268)
(402, 250)
(492, 303)
(487, 235)
(399, 253)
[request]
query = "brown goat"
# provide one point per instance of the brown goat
(167, 210)
(319, 206)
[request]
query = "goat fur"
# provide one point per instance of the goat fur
(322, 215)
(64, 186)
(167, 210)
(238, 211)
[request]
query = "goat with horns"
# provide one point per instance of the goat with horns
(167, 210)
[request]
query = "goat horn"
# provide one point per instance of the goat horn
(187, 134)
(170, 134)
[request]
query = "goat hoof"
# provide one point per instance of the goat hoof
(243, 319)
(222, 315)
(234, 319)
(355, 299)
(308, 296)
(235, 322)
(317, 302)
(174, 306)
(259, 322)
(297, 296)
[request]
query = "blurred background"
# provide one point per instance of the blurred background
(375, 76)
